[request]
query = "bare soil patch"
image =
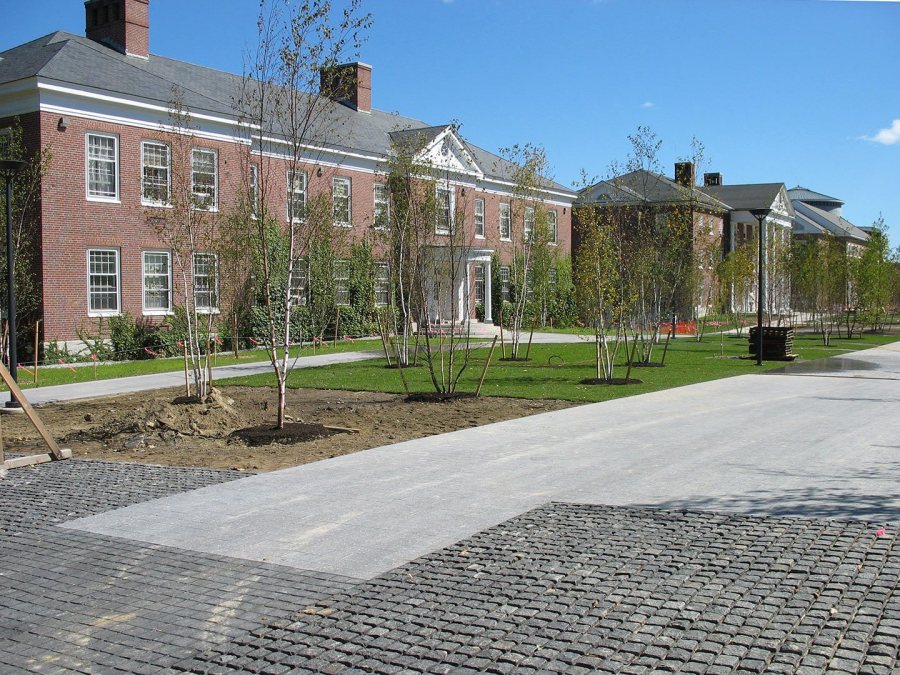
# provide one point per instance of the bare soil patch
(156, 427)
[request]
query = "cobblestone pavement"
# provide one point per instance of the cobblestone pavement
(578, 589)
(79, 602)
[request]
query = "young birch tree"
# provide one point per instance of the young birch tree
(287, 106)
(186, 220)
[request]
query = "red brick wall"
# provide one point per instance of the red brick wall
(71, 224)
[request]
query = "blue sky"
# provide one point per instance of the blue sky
(778, 90)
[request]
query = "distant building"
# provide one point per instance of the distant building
(818, 215)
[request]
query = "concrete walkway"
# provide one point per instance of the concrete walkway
(127, 385)
(815, 443)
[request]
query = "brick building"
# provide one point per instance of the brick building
(101, 104)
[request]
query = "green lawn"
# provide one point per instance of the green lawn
(52, 375)
(554, 371)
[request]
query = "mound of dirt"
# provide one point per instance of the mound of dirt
(158, 427)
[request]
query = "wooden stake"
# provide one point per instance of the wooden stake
(187, 383)
(502, 343)
(37, 326)
(531, 335)
(337, 323)
(486, 364)
(32, 415)
(234, 339)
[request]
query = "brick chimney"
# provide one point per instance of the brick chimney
(712, 180)
(684, 174)
(350, 84)
(123, 25)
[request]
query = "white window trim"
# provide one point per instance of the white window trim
(291, 192)
(87, 169)
(349, 181)
(449, 189)
(104, 312)
(387, 204)
(555, 240)
(154, 311)
(206, 310)
(528, 233)
(253, 192)
(214, 207)
(151, 202)
(477, 202)
(341, 262)
(500, 220)
(380, 264)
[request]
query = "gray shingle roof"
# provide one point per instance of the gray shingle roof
(648, 186)
(76, 60)
(807, 195)
(817, 221)
(747, 196)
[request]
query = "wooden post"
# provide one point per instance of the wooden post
(37, 332)
(484, 370)
(502, 343)
(235, 339)
(531, 335)
(187, 383)
(55, 452)
(337, 323)
(209, 378)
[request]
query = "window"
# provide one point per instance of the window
(254, 190)
(479, 218)
(103, 281)
(300, 282)
(157, 282)
(479, 284)
(529, 222)
(552, 278)
(155, 159)
(444, 224)
(551, 226)
(340, 201)
(382, 284)
(505, 295)
(205, 178)
(102, 167)
(342, 282)
(505, 228)
(296, 187)
(382, 207)
(206, 282)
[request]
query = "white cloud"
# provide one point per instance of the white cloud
(887, 136)
(647, 104)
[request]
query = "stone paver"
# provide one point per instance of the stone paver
(79, 602)
(577, 588)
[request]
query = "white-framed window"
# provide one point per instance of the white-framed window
(300, 282)
(382, 211)
(505, 222)
(479, 218)
(103, 281)
(342, 282)
(505, 295)
(479, 284)
(102, 167)
(553, 277)
(382, 284)
(206, 282)
(529, 222)
(205, 178)
(445, 204)
(157, 282)
(296, 190)
(341, 205)
(552, 226)
(254, 191)
(156, 160)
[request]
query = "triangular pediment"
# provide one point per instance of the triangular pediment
(447, 152)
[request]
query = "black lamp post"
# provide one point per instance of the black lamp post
(760, 215)
(9, 167)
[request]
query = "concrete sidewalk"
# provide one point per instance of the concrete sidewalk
(821, 444)
(127, 385)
